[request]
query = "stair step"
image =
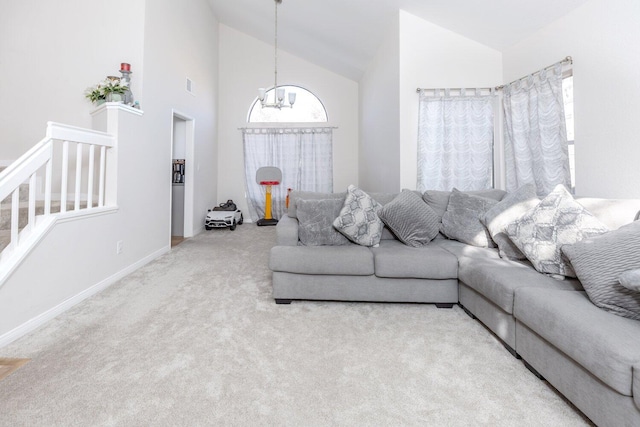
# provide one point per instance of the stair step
(23, 212)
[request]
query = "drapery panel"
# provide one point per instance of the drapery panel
(535, 136)
(304, 155)
(455, 141)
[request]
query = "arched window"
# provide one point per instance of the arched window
(307, 109)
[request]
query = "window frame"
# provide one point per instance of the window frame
(270, 90)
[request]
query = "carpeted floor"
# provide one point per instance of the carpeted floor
(195, 339)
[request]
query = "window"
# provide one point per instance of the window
(307, 109)
(304, 153)
(567, 95)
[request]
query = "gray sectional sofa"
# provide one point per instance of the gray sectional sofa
(588, 354)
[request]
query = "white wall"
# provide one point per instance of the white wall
(379, 148)
(51, 52)
(181, 40)
(247, 64)
(603, 37)
(178, 40)
(433, 57)
(415, 54)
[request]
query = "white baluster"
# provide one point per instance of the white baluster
(65, 176)
(90, 177)
(32, 201)
(76, 205)
(103, 164)
(15, 216)
(47, 187)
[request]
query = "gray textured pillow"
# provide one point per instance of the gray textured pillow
(512, 207)
(462, 222)
(557, 220)
(600, 261)
(631, 280)
(412, 221)
(315, 218)
(358, 219)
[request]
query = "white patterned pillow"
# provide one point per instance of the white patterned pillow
(601, 263)
(358, 219)
(512, 207)
(556, 221)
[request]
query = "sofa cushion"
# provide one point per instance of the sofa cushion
(600, 260)
(630, 280)
(460, 249)
(462, 222)
(295, 195)
(607, 346)
(394, 259)
(316, 222)
(614, 213)
(358, 219)
(410, 219)
(439, 200)
(498, 279)
(507, 210)
(333, 260)
(556, 221)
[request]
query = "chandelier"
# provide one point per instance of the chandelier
(278, 92)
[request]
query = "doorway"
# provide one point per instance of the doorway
(182, 155)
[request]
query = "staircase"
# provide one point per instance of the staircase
(70, 161)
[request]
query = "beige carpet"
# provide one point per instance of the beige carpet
(195, 339)
(7, 366)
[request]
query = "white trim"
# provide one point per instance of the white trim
(50, 314)
(30, 239)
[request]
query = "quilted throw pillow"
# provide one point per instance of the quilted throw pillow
(512, 207)
(315, 219)
(557, 220)
(461, 221)
(358, 219)
(600, 263)
(412, 221)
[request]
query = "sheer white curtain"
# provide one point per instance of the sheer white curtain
(305, 156)
(455, 140)
(535, 134)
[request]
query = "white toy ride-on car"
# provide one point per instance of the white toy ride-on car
(225, 215)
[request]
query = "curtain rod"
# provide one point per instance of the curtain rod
(567, 59)
(288, 127)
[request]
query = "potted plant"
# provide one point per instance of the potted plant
(112, 89)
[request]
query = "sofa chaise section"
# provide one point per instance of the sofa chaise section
(586, 353)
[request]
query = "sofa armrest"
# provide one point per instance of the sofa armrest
(287, 231)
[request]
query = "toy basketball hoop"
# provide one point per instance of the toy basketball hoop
(268, 176)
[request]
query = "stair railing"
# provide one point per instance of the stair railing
(28, 171)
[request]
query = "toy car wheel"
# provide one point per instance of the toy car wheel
(241, 220)
(233, 226)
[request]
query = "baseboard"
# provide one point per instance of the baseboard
(48, 315)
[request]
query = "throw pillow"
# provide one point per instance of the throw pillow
(556, 221)
(601, 260)
(462, 222)
(631, 280)
(512, 207)
(315, 219)
(412, 221)
(439, 200)
(358, 219)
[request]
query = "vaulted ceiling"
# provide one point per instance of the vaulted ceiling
(344, 35)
